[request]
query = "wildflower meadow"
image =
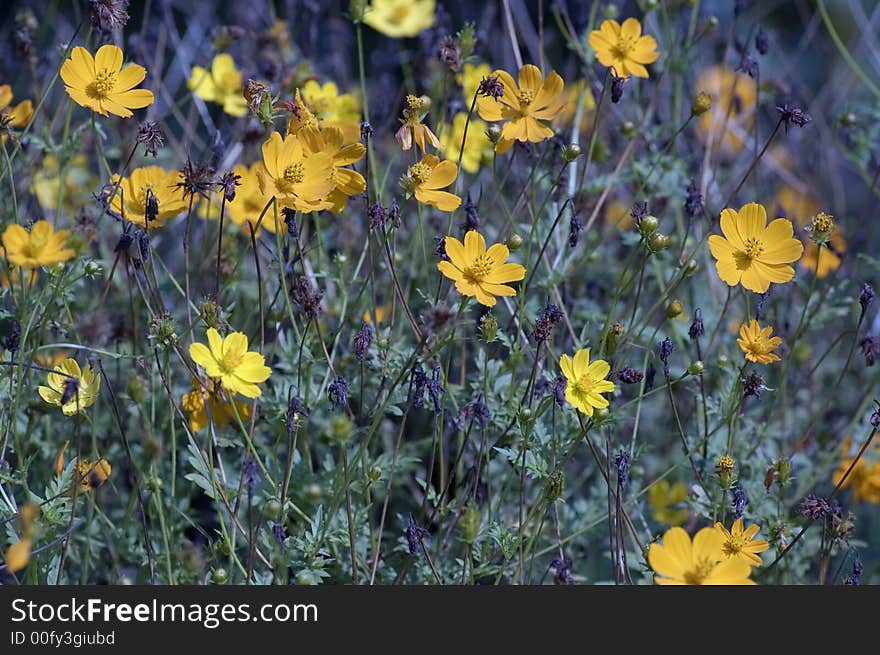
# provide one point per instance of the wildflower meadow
(438, 292)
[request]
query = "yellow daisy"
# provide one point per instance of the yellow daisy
(222, 84)
(297, 180)
(102, 85)
(42, 246)
(229, 360)
(678, 561)
(149, 181)
(740, 543)
(330, 142)
(479, 272)
(585, 381)
(71, 389)
(425, 180)
(623, 47)
(400, 18)
(757, 344)
(250, 201)
(476, 148)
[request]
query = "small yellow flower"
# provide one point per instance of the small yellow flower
(229, 360)
(301, 117)
(623, 47)
(382, 312)
(334, 109)
(17, 116)
(724, 465)
(739, 543)
(753, 253)
(102, 85)
(18, 554)
(250, 201)
(523, 105)
(662, 497)
(479, 272)
(864, 479)
(297, 180)
(79, 183)
(131, 199)
(469, 78)
(757, 344)
(71, 389)
(42, 246)
(89, 475)
(426, 178)
(729, 121)
(476, 149)
(222, 412)
(222, 84)
(330, 142)
(413, 129)
(585, 381)
(678, 561)
(400, 18)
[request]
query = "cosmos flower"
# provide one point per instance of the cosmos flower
(222, 84)
(757, 344)
(740, 542)
(478, 271)
(678, 561)
(229, 360)
(400, 18)
(71, 389)
(41, 246)
(426, 179)
(623, 47)
(102, 85)
(585, 381)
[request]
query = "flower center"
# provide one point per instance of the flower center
(754, 248)
(526, 97)
(401, 11)
(230, 82)
(624, 46)
(734, 545)
(295, 173)
(478, 269)
(230, 362)
(419, 173)
(105, 82)
(700, 571)
(760, 346)
(583, 385)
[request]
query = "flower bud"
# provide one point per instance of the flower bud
(701, 104)
(648, 225)
(219, 576)
(695, 368)
(658, 242)
(488, 327)
(554, 486)
(712, 22)
(674, 308)
(571, 152)
(341, 428)
(514, 242)
(849, 119)
(470, 524)
(493, 133)
(627, 128)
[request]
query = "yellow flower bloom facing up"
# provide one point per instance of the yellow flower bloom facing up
(479, 272)
(71, 389)
(476, 149)
(400, 18)
(222, 84)
(740, 543)
(830, 256)
(78, 183)
(864, 479)
(297, 180)
(18, 554)
(729, 121)
(131, 198)
(222, 412)
(585, 381)
(757, 344)
(663, 497)
(250, 201)
(229, 360)
(13, 116)
(330, 142)
(101, 84)
(523, 104)
(41, 246)
(753, 253)
(679, 561)
(426, 179)
(469, 78)
(623, 47)
(334, 109)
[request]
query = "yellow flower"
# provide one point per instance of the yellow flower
(741, 544)
(829, 256)
(222, 412)
(425, 179)
(18, 554)
(523, 105)
(752, 252)
(729, 121)
(569, 106)
(222, 84)
(586, 382)
(400, 18)
(381, 313)
(161, 184)
(78, 183)
(757, 344)
(301, 117)
(678, 561)
(864, 479)
(296, 180)
(229, 360)
(17, 116)
(618, 214)
(102, 85)
(662, 497)
(469, 78)
(623, 48)
(479, 272)
(250, 201)
(476, 149)
(797, 206)
(90, 475)
(413, 129)
(330, 142)
(42, 246)
(334, 109)
(71, 389)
